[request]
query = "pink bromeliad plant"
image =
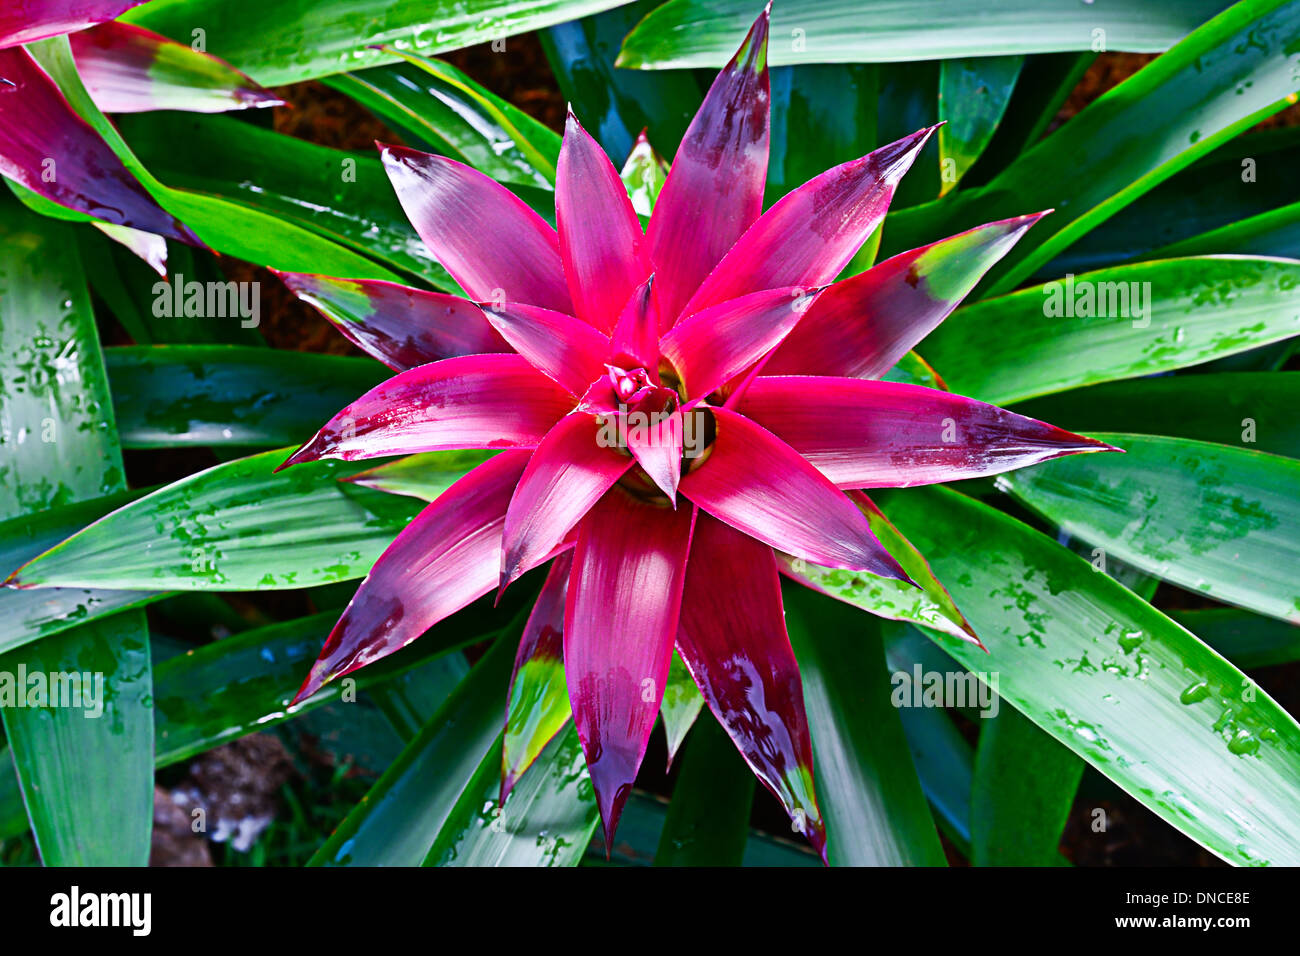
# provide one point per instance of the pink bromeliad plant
(683, 411)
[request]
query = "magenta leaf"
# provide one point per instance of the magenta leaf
(446, 557)
(47, 147)
(497, 248)
(625, 593)
(23, 21)
(567, 349)
(400, 326)
(635, 340)
(862, 433)
(759, 485)
(812, 233)
(714, 190)
(600, 235)
(710, 346)
(568, 473)
(861, 327)
(732, 638)
(475, 401)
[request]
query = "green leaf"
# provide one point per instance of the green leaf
(1234, 71)
(84, 755)
(1199, 209)
(403, 814)
(708, 818)
(1253, 409)
(685, 33)
(548, 819)
(927, 603)
(615, 105)
(1023, 789)
(867, 787)
(83, 750)
(286, 41)
(682, 703)
(177, 395)
(973, 96)
(209, 531)
(1248, 640)
(31, 615)
(441, 109)
(425, 475)
(340, 196)
(243, 684)
(1142, 700)
(1115, 323)
(1210, 518)
(821, 116)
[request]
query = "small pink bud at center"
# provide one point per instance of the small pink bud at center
(627, 383)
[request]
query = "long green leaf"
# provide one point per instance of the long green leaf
(1248, 640)
(548, 819)
(402, 815)
(1115, 323)
(867, 788)
(440, 108)
(286, 41)
(685, 33)
(973, 96)
(1234, 71)
(1212, 518)
(83, 752)
(1124, 687)
(1256, 410)
(210, 531)
(176, 395)
(1023, 788)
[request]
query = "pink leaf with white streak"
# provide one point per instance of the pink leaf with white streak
(861, 327)
(445, 558)
(127, 69)
(497, 248)
(714, 190)
(862, 433)
(732, 638)
(813, 232)
(47, 147)
(400, 326)
(475, 401)
(758, 484)
(600, 236)
(625, 593)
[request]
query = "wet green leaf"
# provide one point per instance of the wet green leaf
(867, 788)
(1021, 795)
(1115, 323)
(209, 531)
(1211, 518)
(176, 395)
(265, 38)
(685, 33)
(1124, 687)
(973, 96)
